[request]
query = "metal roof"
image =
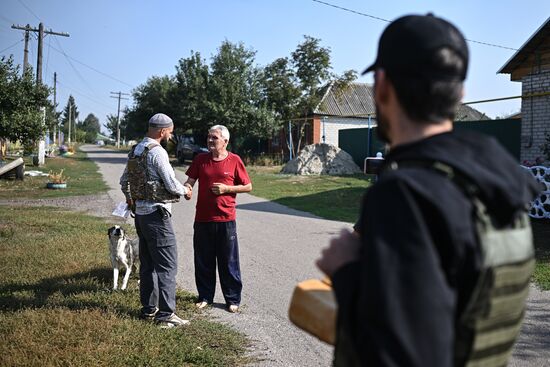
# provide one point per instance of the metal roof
(528, 48)
(357, 100)
(467, 113)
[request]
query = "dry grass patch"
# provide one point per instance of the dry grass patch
(57, 306)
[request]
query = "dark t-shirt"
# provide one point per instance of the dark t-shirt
(229, 171)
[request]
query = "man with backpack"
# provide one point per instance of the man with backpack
(438, 269)
(150, 186)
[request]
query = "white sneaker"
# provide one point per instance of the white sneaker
(233, 308)
(172, 321)
(201, 305)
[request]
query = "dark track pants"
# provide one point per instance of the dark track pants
(217, 241)
(158, 263)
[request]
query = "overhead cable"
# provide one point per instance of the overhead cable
(387, 21)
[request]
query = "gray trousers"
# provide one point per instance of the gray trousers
(159, 263)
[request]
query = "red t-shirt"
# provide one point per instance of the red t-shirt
(229, 171)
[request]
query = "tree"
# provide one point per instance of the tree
(91, 127)
(152, 97)
(111, 125)
(191, 95)
(280, 91)
(71, 108)
(236, 101)
(20, 100)
(293, 88)
(52, 117)
(312, 65)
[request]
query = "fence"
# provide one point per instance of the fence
(361, 143)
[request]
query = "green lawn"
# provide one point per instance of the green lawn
(57, 308)
(84, 179)
(330, 197)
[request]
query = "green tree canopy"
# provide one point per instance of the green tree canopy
(111, 125)
(191, 95)
(91, 127)
(152, 97)
(20, 100)
(236, 92)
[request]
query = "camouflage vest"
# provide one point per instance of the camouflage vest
(142, 187)
(487, 329)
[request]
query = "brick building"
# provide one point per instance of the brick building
(530, 65)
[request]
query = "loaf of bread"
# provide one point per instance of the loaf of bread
(313, 309)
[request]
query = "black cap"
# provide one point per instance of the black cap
(409, 42)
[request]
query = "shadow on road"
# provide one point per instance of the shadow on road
(271, 207)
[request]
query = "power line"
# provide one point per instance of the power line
(92, 68)
(352, 11)
(74, 69)
(85, 95)
(15, 44)
(30, 11)
(387, 21)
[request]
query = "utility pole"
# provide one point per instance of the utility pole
(26, 53)
(70, 110)
(54, 106)
(119, 97)
(41, 32)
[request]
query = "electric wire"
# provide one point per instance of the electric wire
(92, 68)
(388, 21)
(85, 95)
(29, 9)
(15, 44)
(74, 68)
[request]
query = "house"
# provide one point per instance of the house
(530, 65)
(354, 108)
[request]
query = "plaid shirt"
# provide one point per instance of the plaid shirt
(160, 169)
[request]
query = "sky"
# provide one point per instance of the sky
(115, 46)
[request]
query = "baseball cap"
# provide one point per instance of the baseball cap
(409, 42)
(160, 120)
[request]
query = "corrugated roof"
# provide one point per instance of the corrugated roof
(528, 47)
(355, 100)
(467, 113)
(358, 101)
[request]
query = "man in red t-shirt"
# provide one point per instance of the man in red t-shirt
(221, 175)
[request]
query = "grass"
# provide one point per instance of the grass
(541, 233)
(84, 179)
(339, 198)
(56, 306)
(330, 197)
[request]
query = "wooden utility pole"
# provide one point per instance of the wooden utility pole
(118, 95)
(70, 110)
(26, 53)
(41, 32)
(54, 106)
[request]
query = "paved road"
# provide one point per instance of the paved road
(278, 246)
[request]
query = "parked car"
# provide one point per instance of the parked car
(187, 149)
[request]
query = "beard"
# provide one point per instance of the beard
(382, 131)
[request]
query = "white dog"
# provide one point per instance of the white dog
(124, 253)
